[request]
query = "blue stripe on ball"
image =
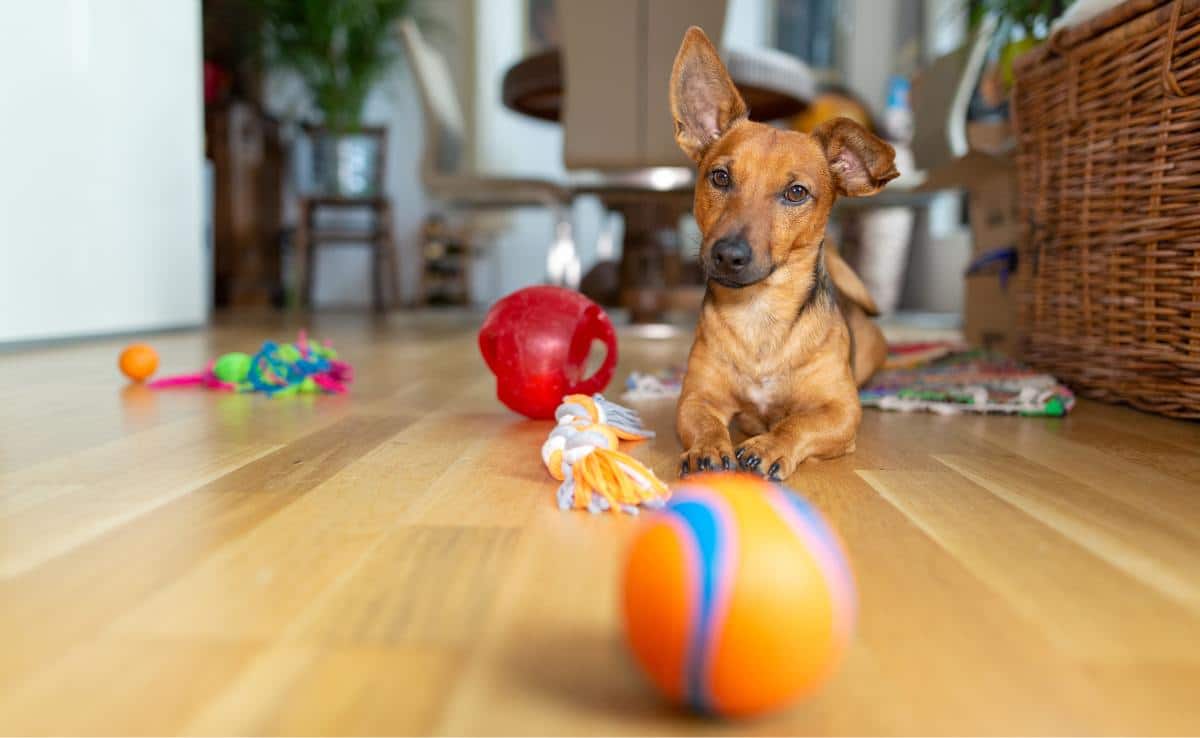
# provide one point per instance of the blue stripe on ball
(703, 522)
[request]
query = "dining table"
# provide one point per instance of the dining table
(653, 276)
(767, 80)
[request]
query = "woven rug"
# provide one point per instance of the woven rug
(941, 377)
(949, 379)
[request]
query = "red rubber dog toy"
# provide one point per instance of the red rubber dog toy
(536, 342)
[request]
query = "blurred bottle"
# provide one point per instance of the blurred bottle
(886, 232)
(897, 115)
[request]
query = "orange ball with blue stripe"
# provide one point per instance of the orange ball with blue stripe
(737, 596)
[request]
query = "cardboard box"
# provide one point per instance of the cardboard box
(990, 319)
(993, 137)
(987, 174)
(990, 314)
(992, 203)
(990, 184)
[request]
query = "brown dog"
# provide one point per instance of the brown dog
(777, 349)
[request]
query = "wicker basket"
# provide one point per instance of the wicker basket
(1107, 116)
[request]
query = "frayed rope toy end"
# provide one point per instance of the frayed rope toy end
(582, 453)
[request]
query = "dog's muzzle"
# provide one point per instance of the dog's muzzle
(731, 263)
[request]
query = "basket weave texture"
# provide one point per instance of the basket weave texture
(1107, 116)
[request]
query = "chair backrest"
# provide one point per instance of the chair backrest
(617, 58)
(445, 130)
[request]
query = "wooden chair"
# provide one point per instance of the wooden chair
(448, 179)
(376, 234)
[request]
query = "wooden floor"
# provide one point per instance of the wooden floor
(392, 561)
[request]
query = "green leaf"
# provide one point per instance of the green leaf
(338, 48)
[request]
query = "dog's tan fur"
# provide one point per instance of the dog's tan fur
(779, 352)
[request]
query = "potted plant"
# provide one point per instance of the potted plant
(339, 49)
(1021, 25)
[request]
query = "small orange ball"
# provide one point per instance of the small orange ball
(138, 362)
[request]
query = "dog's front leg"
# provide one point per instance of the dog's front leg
(703, 425)
(825, 433)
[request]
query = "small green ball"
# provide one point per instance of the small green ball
(233, 367)
(308, 385)
(289, 353)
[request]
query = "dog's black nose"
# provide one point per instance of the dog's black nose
(731, 255)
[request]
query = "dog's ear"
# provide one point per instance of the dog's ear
(704, 100)
(861, 163)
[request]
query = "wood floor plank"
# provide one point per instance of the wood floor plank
(120, 569)
(911, 588)
(102, 688)
(1095, 613)
(1183, 434)
(906, 442)
(1171, 499)
(472, 464)
(301, 690)
(1171, 454)
(1165, 559)
(1016, 686)
(258, 583)
(75, 391)
(110, 485)
(379, 652)
(423, 584)
(392, 561)
(558, 598)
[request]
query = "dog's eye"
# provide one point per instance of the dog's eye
(719, 178)
(795, 194)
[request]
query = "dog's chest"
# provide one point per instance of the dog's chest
(762, 393)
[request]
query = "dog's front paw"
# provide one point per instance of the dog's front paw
(707, 457)
(766, 455)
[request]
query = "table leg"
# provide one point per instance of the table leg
(304, 248)
(650, 259)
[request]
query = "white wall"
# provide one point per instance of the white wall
(101, 202)
(749, 24)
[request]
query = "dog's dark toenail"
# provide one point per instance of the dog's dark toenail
(751, 461)
(704, 464)
(739, 453)
(684, 468)
(773, 472)
(725, 463)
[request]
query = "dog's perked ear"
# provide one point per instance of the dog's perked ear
(704, 100)
(861, 163)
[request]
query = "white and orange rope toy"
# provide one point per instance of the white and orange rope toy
(582, 453)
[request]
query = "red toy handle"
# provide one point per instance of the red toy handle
(598, 326)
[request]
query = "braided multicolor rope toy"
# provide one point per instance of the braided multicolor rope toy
(582, 453)
(277, 369)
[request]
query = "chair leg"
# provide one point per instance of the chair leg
(303, 246)
(307, 220)
(390, 261)
(391, 278)
(377, 275)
